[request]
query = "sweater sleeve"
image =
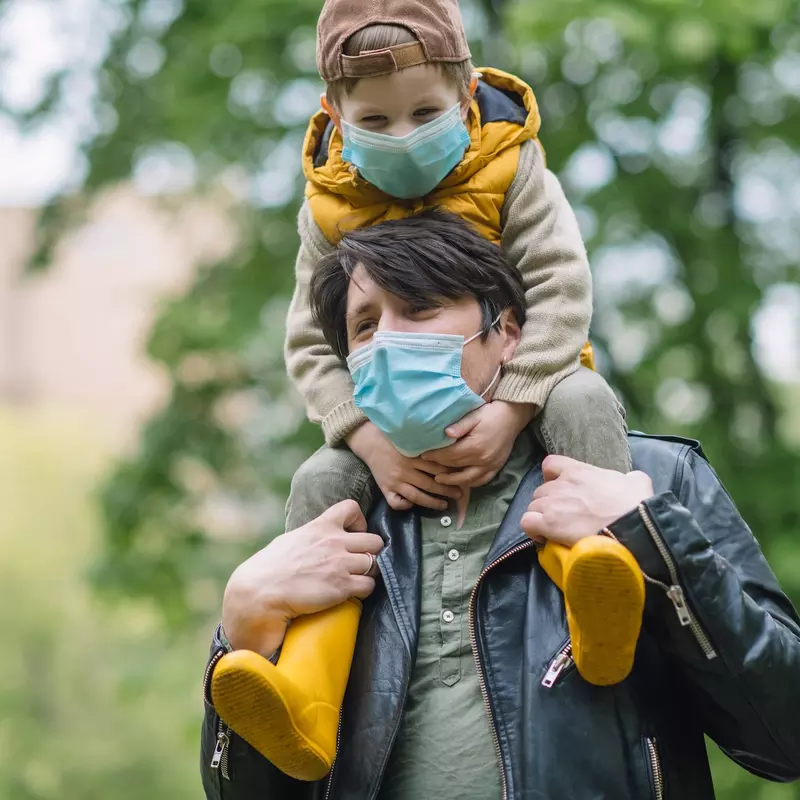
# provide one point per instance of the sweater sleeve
(541, 237)
(316, 371)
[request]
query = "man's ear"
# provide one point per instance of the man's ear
(329, 109)
(511, 332)
(467, 101)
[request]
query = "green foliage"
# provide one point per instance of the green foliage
(94, 703)
(659, 115)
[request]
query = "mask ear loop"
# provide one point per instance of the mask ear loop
(500, 368)
(492, 381)
(483, 330)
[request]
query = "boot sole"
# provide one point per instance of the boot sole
(604, 593)
(248, 700)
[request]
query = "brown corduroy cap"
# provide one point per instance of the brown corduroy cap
(436, 24)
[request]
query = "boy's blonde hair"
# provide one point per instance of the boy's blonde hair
(379, 37)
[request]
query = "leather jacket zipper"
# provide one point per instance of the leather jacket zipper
(376, 789)
(655, 767)
(336, 753)
(562, 663)
(209, 672)
(220, 758)
(479, 666)
(675, 591)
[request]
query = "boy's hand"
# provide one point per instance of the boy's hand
(404, 481)
(485, 439)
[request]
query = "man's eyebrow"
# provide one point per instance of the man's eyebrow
(362, 308)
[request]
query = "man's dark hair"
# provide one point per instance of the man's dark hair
(424, 259)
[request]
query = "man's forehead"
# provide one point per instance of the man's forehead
(362, 292)
(365, 296)
(360, 282)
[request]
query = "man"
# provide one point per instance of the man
(462, 683)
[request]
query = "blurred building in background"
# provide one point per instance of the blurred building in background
(73, 336)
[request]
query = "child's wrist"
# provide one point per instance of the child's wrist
(521, 414)
(358, 439)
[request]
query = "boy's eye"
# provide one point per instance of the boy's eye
(425, 112)
(374, 119)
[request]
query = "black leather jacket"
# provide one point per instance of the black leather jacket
(719, 654)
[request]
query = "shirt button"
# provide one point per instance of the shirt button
(446, 522)
(453, 554)
(448, 615)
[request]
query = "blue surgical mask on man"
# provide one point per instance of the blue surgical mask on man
(408, 166)
(410, 386)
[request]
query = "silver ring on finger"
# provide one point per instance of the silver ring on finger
(371, 564)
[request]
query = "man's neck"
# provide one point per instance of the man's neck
(522, 445)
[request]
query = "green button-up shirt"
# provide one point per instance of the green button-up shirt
(445, 749)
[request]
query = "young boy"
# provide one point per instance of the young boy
(407, 124)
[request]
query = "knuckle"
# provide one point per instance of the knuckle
(349, 506)
(363, 587)
(341, 581)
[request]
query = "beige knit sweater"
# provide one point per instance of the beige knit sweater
(540, 236)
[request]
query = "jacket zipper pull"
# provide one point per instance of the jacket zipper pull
(676, 595)
(219, 750)
(558, 665)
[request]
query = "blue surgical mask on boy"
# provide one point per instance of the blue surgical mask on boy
(408, 166)
(410, 386)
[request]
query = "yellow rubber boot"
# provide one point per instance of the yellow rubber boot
(604, 595)
(290, 712)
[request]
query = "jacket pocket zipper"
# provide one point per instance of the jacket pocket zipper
(655, 766)
(560, 665)
(675, 592)
(219, 760)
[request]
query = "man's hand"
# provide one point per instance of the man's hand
(301, 572)
(404, 481)
(485, 439)
(578, 500)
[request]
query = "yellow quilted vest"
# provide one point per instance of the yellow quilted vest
(502, 117)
